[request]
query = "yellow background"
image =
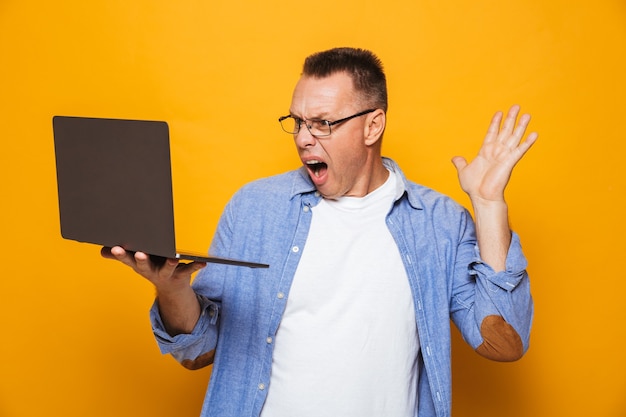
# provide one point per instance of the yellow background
(75, 333)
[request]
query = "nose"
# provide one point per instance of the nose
(304, 138)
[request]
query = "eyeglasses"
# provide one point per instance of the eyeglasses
(317, 127)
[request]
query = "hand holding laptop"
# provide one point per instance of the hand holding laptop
(155, 269)
(115, 190)
(178, 305)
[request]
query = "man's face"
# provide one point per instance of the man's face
(337, 164)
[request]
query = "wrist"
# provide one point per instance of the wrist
(173, 290)
(487, 203)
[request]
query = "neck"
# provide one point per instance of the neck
(378, 174)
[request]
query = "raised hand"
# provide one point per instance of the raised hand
(487, 175)
(485, 178)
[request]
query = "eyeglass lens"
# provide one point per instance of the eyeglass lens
(316, 127)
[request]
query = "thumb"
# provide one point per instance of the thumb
(459, 163)
(196, 266)
(191, 267)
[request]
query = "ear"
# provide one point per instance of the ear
(374, 127)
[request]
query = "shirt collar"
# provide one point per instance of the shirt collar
(302, 184)
(402, 185)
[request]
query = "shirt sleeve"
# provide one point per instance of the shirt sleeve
(187, 348)
(494, 310)
(514, 272)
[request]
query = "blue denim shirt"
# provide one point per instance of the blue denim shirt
(268, 221)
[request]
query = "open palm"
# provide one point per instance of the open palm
(487, 175)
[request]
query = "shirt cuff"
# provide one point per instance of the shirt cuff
(202, 339)
(515, 269)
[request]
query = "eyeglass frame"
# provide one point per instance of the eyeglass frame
(328, 123)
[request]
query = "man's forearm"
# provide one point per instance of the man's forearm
(179, 310)
(493, 232)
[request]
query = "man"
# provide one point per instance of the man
(366, 268)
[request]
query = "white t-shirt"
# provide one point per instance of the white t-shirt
(347, 344)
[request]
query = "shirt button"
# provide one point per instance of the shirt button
(280, 295)
(295, 249)
(261, 386)
(269, 340)
(306, 209)
(317, 194)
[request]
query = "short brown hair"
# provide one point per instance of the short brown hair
(365, 69)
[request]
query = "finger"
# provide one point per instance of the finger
(528, 143)
(509, 123)
(144, 265)
(105, 252)
(522, 148)
(514, 139)
(494, 127)
(118, 253)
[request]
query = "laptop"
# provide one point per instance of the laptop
(115, 186)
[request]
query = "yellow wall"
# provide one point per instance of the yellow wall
(75, 335)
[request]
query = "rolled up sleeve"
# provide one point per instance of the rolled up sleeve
(496, 316)
(193, 350)
(515, 270)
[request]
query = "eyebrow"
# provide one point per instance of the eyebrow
(321, 116)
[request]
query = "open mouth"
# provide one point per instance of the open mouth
(318, 168)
